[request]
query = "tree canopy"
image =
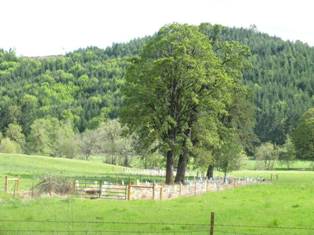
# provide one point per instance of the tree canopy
(176, 79)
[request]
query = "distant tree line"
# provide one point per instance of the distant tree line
(51, 137)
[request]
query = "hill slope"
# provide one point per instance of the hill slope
(31, 165)
(83, 86)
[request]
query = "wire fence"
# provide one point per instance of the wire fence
(77, 227)
(27, 181)
(119, 188)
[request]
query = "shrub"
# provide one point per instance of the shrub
(268, 154)
(9, 146)
(57, 185)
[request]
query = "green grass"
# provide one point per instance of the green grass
(20, 164)
(30, 168)
(294, 165)
(288, 202)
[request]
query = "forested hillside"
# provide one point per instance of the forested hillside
(83, 86)
(281, 79)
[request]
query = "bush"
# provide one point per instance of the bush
(287, 153)
(15, 133)
(52, 137)
(57, 185)
(267, 154)
(9, 146)
(69, 148)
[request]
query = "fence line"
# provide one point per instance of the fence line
(200, 225)
(264, 227)
(101, 222)
(154, 191)
(156, 223)
(101, 231)
(102, 188)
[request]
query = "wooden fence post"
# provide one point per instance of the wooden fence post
(154, 191)
(49, 186)
(17, 184)
(129, 191)
(5, 184)
(14, 189)
(161, 192)
(32, 187)
(212, 223)
(100, 188)
(194, 187)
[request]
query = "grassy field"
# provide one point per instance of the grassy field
(287, 202)
(294, 165)
(30, 167)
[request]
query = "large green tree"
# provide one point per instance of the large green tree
(238, 118)
(175, 79)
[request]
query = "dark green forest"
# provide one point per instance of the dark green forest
(83, 86)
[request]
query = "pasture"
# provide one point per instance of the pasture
(30, 165)
(285, 206)
(30, 168)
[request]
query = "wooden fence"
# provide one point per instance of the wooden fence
(11, 185)
(94, 188)
(151, 191)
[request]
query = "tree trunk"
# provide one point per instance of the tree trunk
(210, 171)
(169, 168)
(183, 159)
(182, 163)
